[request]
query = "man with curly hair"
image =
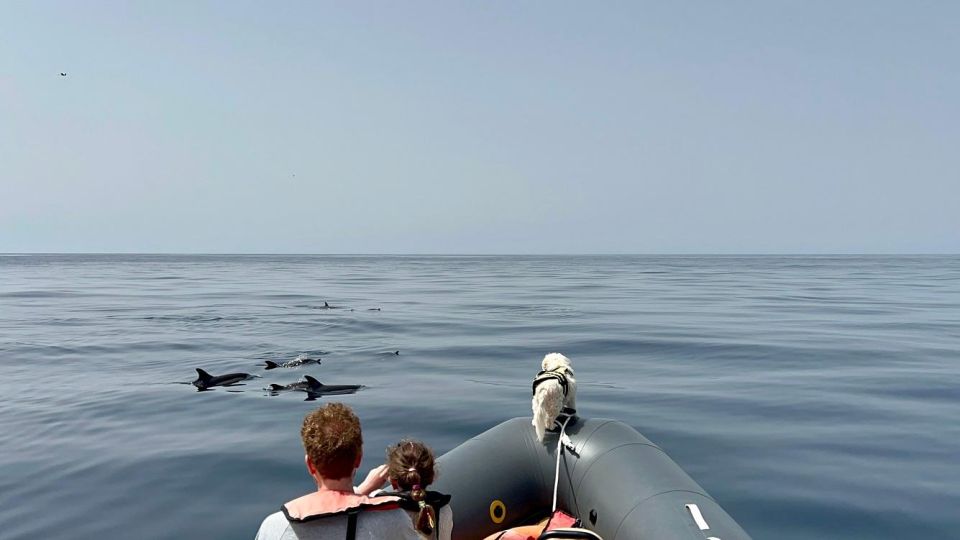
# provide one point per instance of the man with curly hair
(334, 448)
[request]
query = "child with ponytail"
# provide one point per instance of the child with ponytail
(410, 466)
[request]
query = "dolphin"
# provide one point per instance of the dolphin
(315, 388)
(296, 362)
(205, 380)
(303, 385)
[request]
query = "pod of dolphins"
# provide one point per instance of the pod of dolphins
(308, 384)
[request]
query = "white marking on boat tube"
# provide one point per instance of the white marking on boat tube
(697, 516)
(712, 538)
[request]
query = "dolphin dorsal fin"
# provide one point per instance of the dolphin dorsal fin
(312, 381)
(203, 374)
(271, 364)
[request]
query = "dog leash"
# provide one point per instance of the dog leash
(563, 441)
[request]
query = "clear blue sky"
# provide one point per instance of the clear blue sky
(482, 127)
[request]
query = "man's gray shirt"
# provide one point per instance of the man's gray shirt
(371, 525)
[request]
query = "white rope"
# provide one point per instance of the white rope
(556, 473)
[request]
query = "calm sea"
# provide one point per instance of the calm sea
(813, 397)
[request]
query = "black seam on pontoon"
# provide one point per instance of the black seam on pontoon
(627, 514)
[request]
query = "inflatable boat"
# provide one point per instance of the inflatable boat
(615, 481)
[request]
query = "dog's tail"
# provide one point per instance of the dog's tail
(547, 403)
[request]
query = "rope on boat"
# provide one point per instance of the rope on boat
(562, 442)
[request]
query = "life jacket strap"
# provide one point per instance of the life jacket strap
(352, 524)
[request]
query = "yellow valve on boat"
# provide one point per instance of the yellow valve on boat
(498, 511)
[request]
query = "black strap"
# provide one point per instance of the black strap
(544, 376)
(435, 499)
(352, 524)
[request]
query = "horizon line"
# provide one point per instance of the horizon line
(597, 254)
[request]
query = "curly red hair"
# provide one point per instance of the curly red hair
(332, 439)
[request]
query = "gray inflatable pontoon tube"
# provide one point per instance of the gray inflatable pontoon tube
(622, 486)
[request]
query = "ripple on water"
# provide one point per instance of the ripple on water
(814, 397)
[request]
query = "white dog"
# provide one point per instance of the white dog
(554, 392)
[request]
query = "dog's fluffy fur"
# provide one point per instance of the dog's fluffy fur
(548, 398)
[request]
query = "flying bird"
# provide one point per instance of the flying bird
(62, 74)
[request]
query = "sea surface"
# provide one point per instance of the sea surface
(813, 397)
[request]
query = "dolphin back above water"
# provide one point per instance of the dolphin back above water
(296, 362)
(315, 388)
(205, 380)
(299, 385)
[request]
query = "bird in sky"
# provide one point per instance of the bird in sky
(62, 74)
